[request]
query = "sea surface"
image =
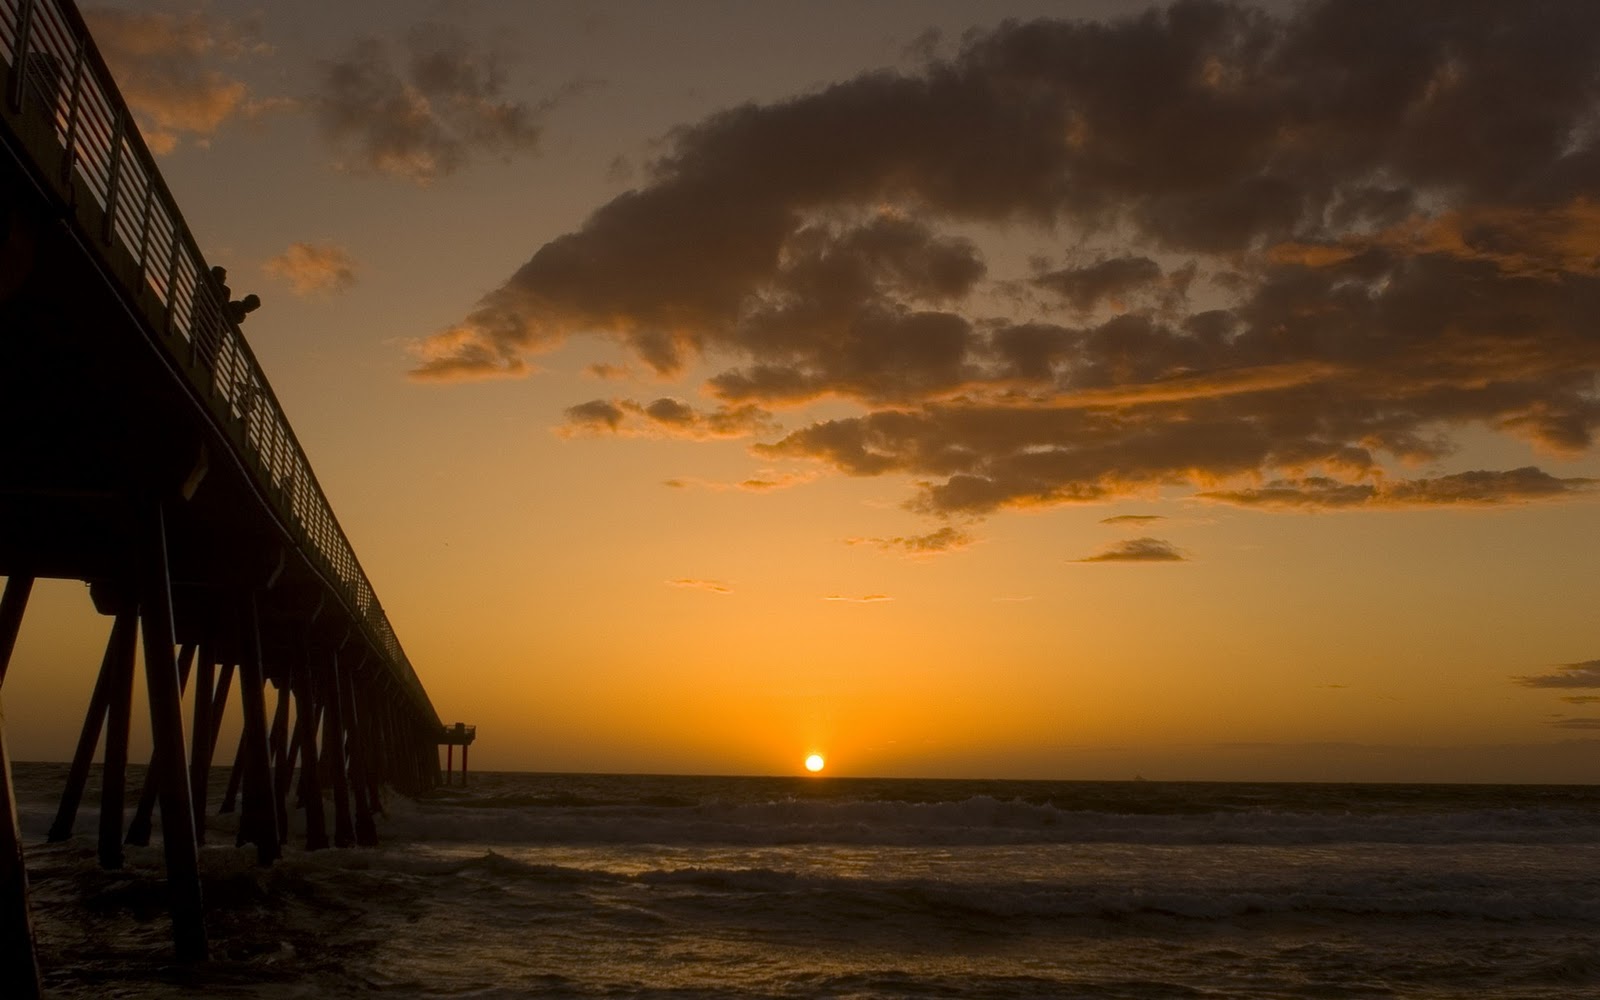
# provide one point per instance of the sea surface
(571, 885)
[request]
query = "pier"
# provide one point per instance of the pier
(143, 452)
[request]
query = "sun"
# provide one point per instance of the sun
(814, 763)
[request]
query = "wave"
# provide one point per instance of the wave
(979, 820)
(751, 895)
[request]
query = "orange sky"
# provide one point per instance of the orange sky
(1197, 394)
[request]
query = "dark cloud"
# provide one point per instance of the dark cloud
(1132, 519)
(1478, 488)
(1326, 257)
(1138, 550)
(1086, 287)
(665, 417)
(945, 539)
(1580, 723)
(1568, 675)
(421, 115)
(1582, 699)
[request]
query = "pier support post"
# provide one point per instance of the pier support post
(120, 646)
(12, 604)
(205, 678)
(333, 750)
(259, 820)
(18, 954)
(306, 737)
(356, 740)
(114, 773)
(166, 732)
(144, 813)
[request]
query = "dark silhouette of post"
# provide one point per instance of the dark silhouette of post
(166, 724)
(120, 647)
(18, 955)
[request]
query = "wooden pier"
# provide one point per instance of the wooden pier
(143, 451)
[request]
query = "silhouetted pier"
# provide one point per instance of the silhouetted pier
(143, 451)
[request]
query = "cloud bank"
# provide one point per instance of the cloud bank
(1286, 259)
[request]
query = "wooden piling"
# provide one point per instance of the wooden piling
(18, 955)
(114, 772)
(166, 730)
(310, 787)
(120, 646)
(144, 813)
(259, 818)
(333, 751)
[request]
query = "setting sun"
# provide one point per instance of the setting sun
(814, 763)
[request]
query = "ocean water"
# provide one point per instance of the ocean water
(546, 885)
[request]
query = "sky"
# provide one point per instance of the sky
(1078, 390)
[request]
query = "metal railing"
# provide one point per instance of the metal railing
(55, 74)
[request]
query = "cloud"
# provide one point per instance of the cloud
(1132, 519)
(865, 599)
(716, 587)
(1581, 723)
(665, 417)
(311, 268)
(945, 539)
(422, 114)
(767, 481)
(1323, 260)
(1138, 550)
(1567, 675)
(1479, 488)
(1581, 699)
(166, 67)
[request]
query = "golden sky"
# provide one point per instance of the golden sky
(1070, 390)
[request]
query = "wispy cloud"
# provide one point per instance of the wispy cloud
(664, 417)
(692, 583)
(1582, 699)
(1581, 723)
(1132, 520)
(945, 539)
(311, 268)
(1138, 550)
(1568, 675)
(865, 599)
(1284, 261)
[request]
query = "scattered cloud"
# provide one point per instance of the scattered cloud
(946, 539)
(1582, 699)
(665, 417)
(715, 586)
(1567, 675)
(424, 112)
(767, 481)
(1580, 723)
(311, 268)
(1137, 550)
(1132, 520)
(866, 599)
(1279, 262)
(168, 67)
(1479, 488)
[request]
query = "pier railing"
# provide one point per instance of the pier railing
(88, 150)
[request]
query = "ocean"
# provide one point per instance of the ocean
(573, 885)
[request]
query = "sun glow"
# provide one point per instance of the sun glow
(814, 763)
